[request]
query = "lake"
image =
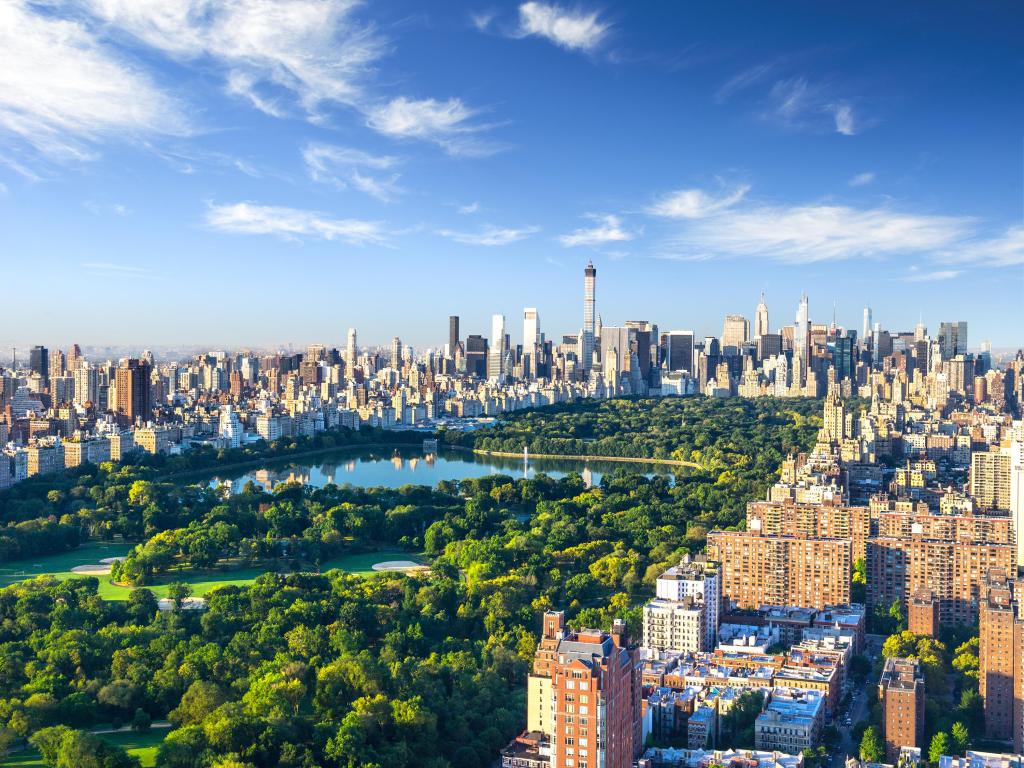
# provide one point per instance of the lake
(411, 466)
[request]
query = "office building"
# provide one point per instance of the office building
(735, 331)
(496, 358)
(865, 330)
(39, 363)
(901, 693)
(952, 339)
(133, 390)
(679, 351)
(476, 356)
(453, 334)
(761, 319)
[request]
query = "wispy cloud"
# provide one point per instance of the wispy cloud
(446, 123)
(696, 203)
(1003, 250)
(814, 233)
(843, 114)
(291, 223)
(742, 81)
(481, 20)
(62, 93)
(98, 209)
(862, 179)
(931, 276)
(465, 210)
(344, 166)
(574, 30)
(608, 229)
(274, 54)
(490, 235)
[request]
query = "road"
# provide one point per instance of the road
(859, 709)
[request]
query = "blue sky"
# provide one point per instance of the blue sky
(259, 173)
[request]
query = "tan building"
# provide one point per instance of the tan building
(1001, 656)
(676, 625)
(990, 479)
(901, 693)
(78, 452)
(43, 459)
(792, 518)
(953, 571)
(762, 569)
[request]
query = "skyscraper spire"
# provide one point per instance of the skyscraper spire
(761, 319)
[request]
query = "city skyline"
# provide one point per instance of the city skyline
(694, 161)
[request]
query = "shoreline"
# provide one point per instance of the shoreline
(585, 458)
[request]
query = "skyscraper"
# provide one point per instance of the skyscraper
(761, 319)
(735, 331)
(39, 362)
(350, 352)
(134, 394)
(589, 290)
(865, 331)
(801, 341)
(453, 333)
(396, 352)
(497, 350)
(531, 341)
(679, 351)
(952, 339)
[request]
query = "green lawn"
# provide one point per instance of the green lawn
(202, 582)
(141, 745)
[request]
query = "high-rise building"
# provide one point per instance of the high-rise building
(990, 479)
(531, 342)
(845, 356)
(476, 356)
(801, 341)
(684, 614)
(589, 299)
(584, 695)
(758, 569)
(679, 351)
(1001, 658)
(901, 693)
(39, 362)
(351, 353)
(735, 331)
(133, 388)
(497, 352)
(923, 614)
(396, 352)
(1016, 451)
(865, 330)
(761, 319)
(952, 339)
(453, 334)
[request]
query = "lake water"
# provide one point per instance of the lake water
(395, 468)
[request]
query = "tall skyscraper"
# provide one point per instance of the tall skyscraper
(39, 362)
(679, 351)
(735, 331)
(133, 388)
(453, 333)
(801, 341)
(761, 319)
(589, 299)
(497, 350)
(396, 352)
(476, 356)
(351, 352)
(531, 341)
(865, 331)
(952, 339)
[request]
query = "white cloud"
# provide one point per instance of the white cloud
(608, 230)
(1005, 250)
(862, 179)
(570, 29)
(742, 81)
(482, 21)
(311, 49)
(932, 276)
(446, 123)
(62, 92)
(465, 210)
(696, 203)
(344, 166)
(813, 233)
(490, 235)
(843, 114)
(291, 223)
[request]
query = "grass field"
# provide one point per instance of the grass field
(141, 745)
(202, 582)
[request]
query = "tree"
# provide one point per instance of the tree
(941, 745)
(179, 592)
(199, 700)
(961, 737)
(141, 721)
(872, 750)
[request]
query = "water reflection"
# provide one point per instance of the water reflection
(404, 467)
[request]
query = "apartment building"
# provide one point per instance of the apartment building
(901, 693)
(1001, 657)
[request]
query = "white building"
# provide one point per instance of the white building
(230, 427)
(700, 579)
